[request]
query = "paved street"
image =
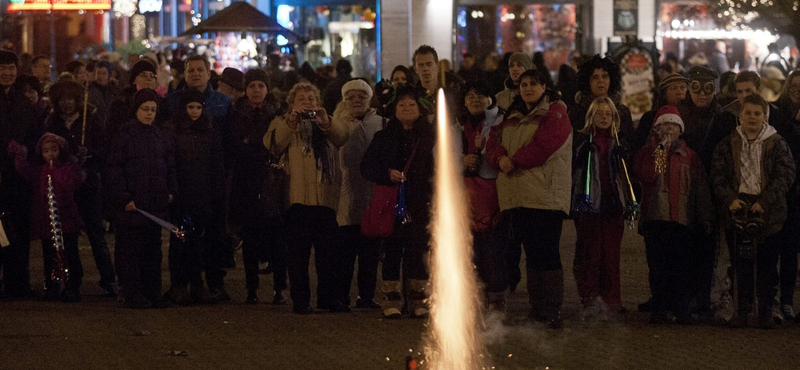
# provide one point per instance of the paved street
(98, 334)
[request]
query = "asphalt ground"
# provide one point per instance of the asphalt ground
(98, 333)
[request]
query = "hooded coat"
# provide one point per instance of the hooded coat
(66, 177)
(777, 175)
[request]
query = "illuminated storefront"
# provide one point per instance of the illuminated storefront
(338, 29)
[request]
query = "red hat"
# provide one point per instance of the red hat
(668, 114)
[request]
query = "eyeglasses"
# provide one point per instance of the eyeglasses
(697, 87)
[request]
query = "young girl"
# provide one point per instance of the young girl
(751, 172)
(140, 173)
(53, 160)
(201, 184)
(599, 207)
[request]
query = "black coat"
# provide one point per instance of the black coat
(198, 167)
(140, 168)
(16, 114)
(94, 141)
(249, 157)
(390, 149)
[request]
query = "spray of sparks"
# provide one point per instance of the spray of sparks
(453, 341)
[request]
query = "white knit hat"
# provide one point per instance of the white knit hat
(357, 84)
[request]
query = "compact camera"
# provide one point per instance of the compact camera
(308, 114)
(748, 230)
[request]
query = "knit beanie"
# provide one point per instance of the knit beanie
(50, 137)
(191, 96)
(9, 57)
(143, 96)
(256, 74)
(670, 79)
(139, 67)
(522, 59)
(668, 114)
(357, 84)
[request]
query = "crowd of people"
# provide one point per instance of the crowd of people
(242, 160)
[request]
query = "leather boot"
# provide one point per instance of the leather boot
(392, 300)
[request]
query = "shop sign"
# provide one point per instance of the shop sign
(148, 6)
(636, 68)
(626, 17)
(22, 5)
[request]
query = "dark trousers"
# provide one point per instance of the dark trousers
(307, 227)
(668, 246)
(353, 245)
(187, 257)
(90, 207)
(71, 258)
(406, 248)
(264, 242)
(138, 258)
(218, 251)
(759, 274)
(482, 256)
(596, 266)
(703, 259)
(789, 246)
(15, 262)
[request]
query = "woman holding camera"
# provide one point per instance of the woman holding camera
(307, 140)
(408, 138)
(751, 174)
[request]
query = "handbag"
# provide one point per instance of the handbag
(378, 219)
(274, 193)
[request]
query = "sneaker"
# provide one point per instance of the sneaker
(788, 312)
(420, 313)
(777, 315)
(279, 298)
(368, 304)
(392, 313)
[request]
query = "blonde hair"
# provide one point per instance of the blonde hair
(302, 86)
(589, 126)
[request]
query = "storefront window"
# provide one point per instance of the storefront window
(334, 32)
(549, 28)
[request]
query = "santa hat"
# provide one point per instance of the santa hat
(668, 114)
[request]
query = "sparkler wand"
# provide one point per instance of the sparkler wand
(179, 232)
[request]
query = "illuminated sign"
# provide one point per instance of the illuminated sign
(146, 6)
(59, 5)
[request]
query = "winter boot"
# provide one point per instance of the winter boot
(392, 300)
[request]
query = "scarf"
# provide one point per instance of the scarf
(316, 142)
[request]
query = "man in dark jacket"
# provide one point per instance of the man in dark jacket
(15, 114)
(218, 106)
(332, 94)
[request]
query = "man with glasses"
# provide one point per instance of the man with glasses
(15, 114)
(705, 126)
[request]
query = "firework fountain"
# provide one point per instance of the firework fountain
(453, 340)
